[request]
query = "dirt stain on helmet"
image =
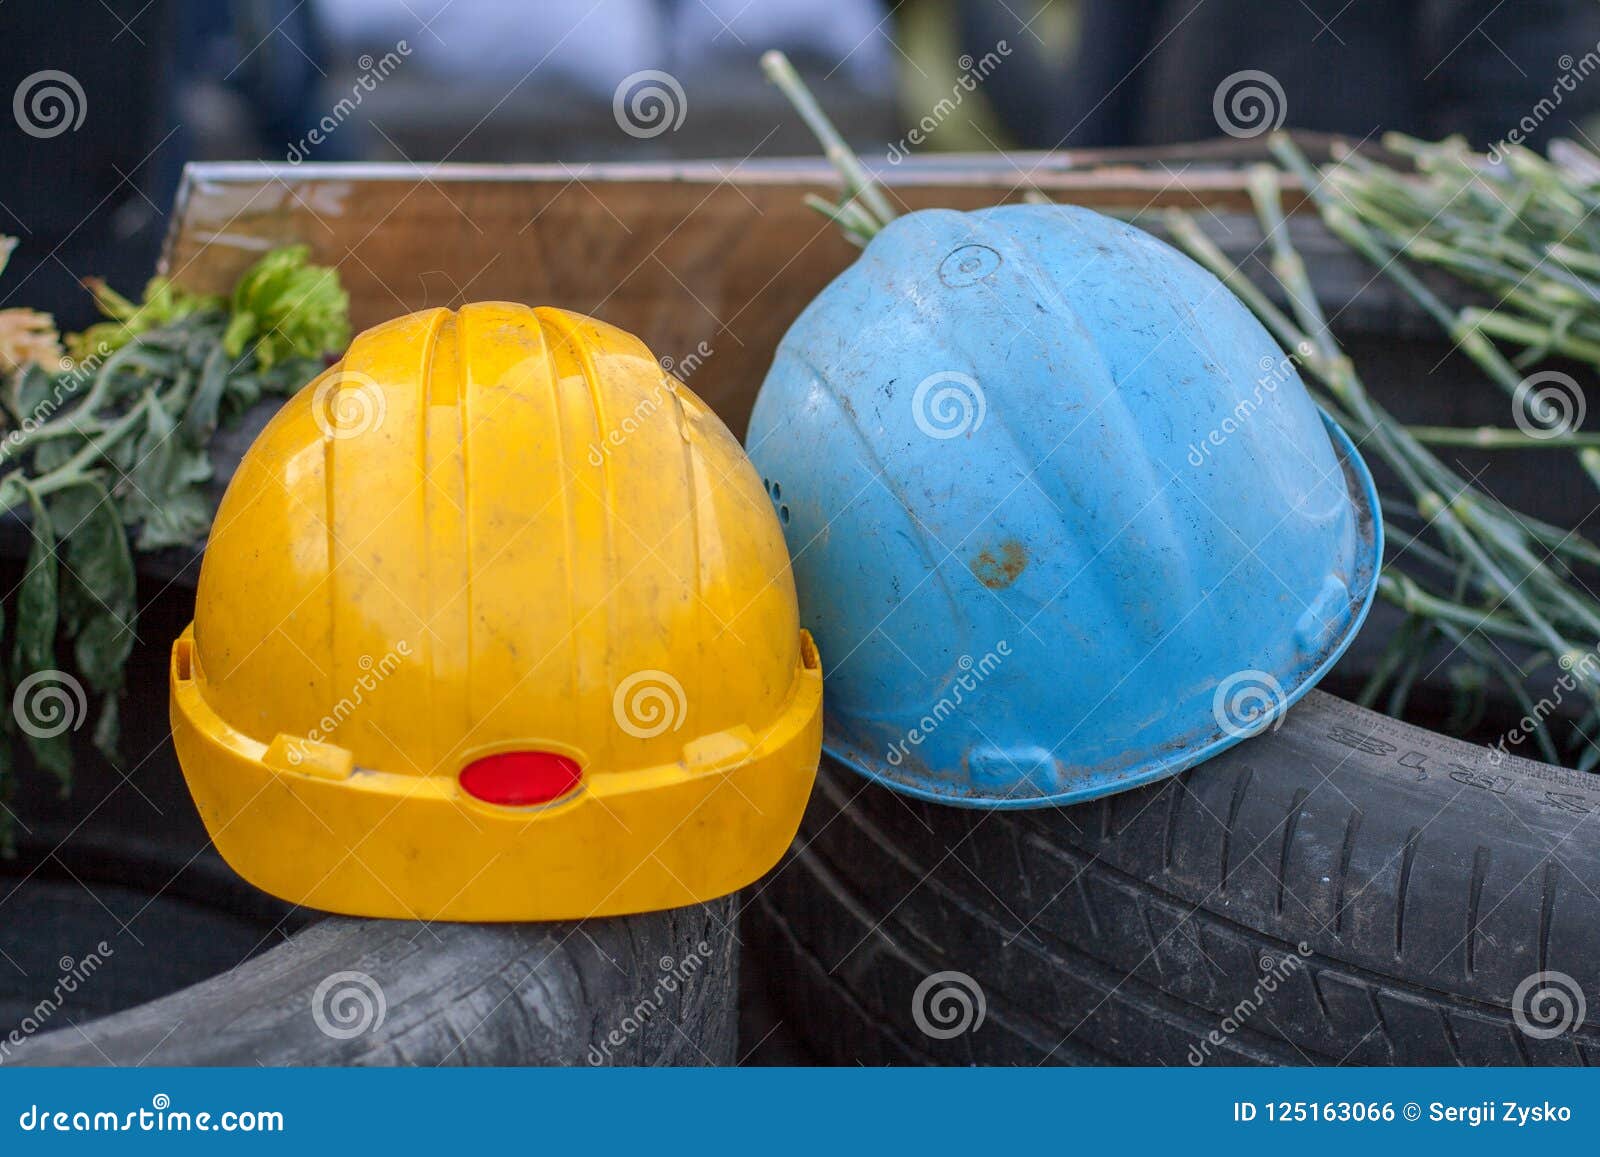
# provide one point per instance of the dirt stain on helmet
(998, 571)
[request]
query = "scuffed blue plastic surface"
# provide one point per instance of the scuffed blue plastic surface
(1063, 517)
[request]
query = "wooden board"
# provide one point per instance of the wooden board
(707, 262)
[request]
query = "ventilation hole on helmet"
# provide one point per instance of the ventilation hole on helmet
(783, 514)
(767, 485)
(777, 492)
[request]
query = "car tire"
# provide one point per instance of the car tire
(1346, 889)
(655, 989)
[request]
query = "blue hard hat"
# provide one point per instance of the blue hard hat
(1063, 517)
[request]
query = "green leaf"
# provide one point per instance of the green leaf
(288, 307)
(164, 371)
(53, 754)
(200, 419)
(52, 455)
(108, 728)
(101, 648)
(163, 304)
(29, 386)
(98, 593)
(162, 492)
(34, 646)
(244, 391)
(182, 520)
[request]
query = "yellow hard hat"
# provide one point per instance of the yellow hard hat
(496, 623)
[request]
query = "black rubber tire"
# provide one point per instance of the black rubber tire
(1425, 882)
(657, 989)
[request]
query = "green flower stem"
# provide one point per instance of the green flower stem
(1512, 544)
(1589, 459)
(1496, 438)
(1491, 659)
(848, 215)
(1433, 508)
(1527, 333)
(1500, 548)
(75, 470)
(1547, 214)
(857, 181)
(1348, 228)
(1405, 593)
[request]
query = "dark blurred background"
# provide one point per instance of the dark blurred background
(111, 97)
